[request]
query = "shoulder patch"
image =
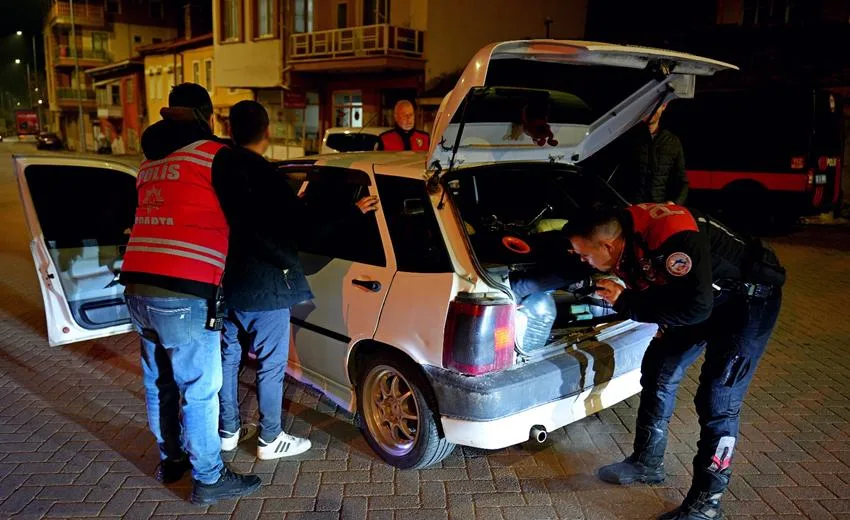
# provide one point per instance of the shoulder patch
(679, 264)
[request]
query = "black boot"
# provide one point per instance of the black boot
(229, 485)
(645, 464)
(703, 499)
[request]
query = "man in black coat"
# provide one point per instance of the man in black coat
(653, 167)
(263, 279)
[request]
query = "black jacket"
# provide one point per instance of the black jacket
(711, 255)
(269, 222)
(652, 168)
(158, 141)
(262, 270)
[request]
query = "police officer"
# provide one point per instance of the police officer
(172, 270)
(404, 136)
(707, 288)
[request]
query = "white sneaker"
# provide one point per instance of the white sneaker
(229, 441)
(284, 445)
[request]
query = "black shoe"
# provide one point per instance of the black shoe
(170, 471)
(632, 470)
(704, 506)
(229, 485)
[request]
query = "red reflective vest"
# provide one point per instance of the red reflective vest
(180, 229)
(653, 225)
(391, 141)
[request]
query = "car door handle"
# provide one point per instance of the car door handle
(368, 284)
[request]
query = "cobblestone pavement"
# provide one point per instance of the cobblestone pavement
(73, 440)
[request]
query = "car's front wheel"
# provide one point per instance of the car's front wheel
(396, 415)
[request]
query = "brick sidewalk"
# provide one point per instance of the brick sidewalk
(74, 444)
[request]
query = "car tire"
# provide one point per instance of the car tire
(384, 413)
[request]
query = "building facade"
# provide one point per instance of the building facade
(95, 34)
(317, 64)
(186, 60)
(120, 97)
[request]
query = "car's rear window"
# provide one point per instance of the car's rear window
(571, 94)
(353, 142)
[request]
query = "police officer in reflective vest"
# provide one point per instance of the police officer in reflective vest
(708, 289)
(172, 271)
(404, 136)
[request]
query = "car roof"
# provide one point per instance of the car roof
(371, 130)
(397, 164)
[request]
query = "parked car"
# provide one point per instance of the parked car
(347, 139)
(416, 324)
(48, 141)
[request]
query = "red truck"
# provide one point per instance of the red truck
(26, 122)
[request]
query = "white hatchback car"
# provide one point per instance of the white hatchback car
(417, 324)
(349, 139)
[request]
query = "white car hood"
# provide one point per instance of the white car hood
(499, 141)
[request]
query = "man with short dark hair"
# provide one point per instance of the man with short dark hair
(404, 136)
(708, 289)
(172, 271)
(654, 165)
(263, 279)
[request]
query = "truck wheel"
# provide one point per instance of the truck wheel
(396, 415)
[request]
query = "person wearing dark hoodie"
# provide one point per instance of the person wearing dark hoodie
(172, 271)
(263, 279)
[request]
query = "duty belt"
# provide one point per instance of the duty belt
(750, 290)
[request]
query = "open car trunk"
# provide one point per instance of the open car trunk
(512, 215)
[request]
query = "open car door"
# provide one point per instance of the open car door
(80, 213)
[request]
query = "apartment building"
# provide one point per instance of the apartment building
(119, 94)
(97, 33)
(186, 60)
(315, 64)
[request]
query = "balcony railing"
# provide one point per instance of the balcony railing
(71, 94)
(66, 52)
(364, 41)
(84, 14)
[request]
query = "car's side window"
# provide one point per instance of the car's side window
(340, 230)
(85, 215)
(417, 242)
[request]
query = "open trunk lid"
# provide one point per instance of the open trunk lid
(588, 93)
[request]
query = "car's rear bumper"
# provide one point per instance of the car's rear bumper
(515, 429)
(498, 410)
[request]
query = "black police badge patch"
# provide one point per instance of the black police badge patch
(679, 264)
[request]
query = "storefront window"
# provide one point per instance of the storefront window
(348, 109)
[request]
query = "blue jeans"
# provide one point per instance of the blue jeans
(734, 338)
(268, 334)
(181, 357)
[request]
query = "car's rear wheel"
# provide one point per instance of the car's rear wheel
(396, 413)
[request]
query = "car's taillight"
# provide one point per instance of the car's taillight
(479, 336)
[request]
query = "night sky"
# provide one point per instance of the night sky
(26, 16)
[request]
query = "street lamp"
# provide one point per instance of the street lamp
(35, 69)
(29, 87)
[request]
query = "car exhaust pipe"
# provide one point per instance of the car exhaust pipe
(539, 434)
